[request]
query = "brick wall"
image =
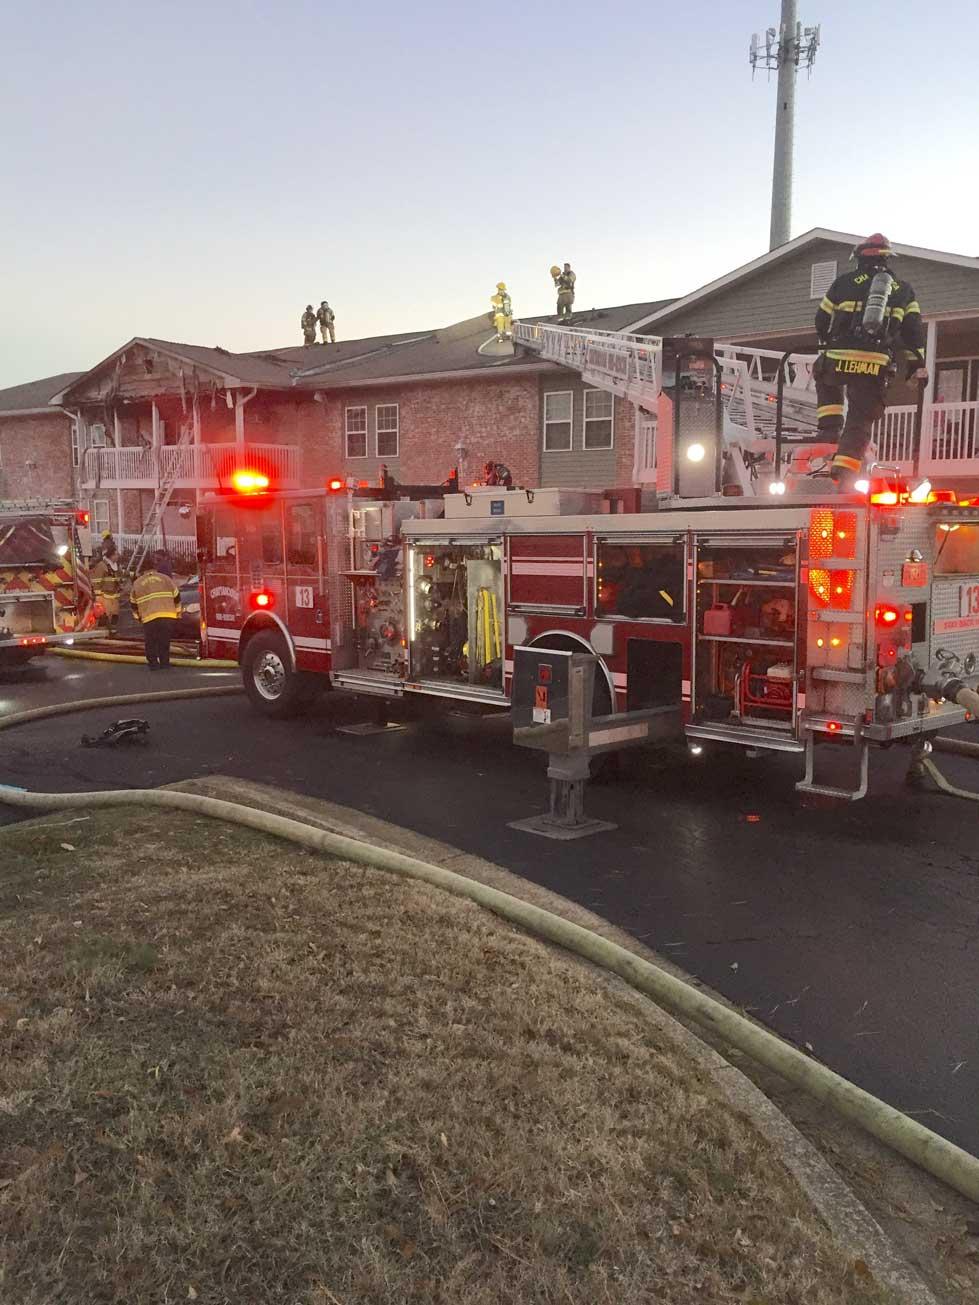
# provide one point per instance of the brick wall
(494, 418)
(35, 456)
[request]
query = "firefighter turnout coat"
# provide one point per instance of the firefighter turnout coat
(838, 323)
(154, 595)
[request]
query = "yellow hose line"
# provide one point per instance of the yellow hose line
(133, 659)
(126, 700)
(935, 1154)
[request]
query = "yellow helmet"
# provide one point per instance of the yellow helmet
(555, 270)
(501, 285)
(106, 534)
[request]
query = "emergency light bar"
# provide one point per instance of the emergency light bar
(250, 482)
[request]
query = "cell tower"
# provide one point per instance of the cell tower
(784, 49)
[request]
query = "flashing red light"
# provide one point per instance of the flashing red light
(942, 496)
(262, 600)
(249, 482)
(886, 497)
(886, 615)
(83, 517)
(833, 726)
(33, 641)
(335, 484)
(429, 559)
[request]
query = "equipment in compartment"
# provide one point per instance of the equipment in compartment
(456, 612)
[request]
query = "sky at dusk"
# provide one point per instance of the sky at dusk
(200, 171)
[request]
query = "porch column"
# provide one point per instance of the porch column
(156, 424)
(239, 421)
(931, 358)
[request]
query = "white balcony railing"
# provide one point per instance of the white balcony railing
(182, 548)
(196, 466)
(949, 437)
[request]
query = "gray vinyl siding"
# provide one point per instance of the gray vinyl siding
(776, 298)
(579, 467)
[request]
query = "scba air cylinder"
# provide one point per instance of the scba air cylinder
(876, 305)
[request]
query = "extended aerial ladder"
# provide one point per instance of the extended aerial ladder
(161, 501)
(768, 398)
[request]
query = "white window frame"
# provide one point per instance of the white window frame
(100, 524)
(598, 448)
(562, 421)
(347, 432)
(97, 436)
(821, 277)
(76, 445)
(396, 431)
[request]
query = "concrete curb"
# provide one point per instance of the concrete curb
(855, 1230)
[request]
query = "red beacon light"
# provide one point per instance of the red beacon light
(886, 616)
(335, 484)
(83, 517)
(250, 482)
(262, 600)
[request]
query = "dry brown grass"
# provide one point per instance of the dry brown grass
(235, 1072)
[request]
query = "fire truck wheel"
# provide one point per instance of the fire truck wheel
(270, 683)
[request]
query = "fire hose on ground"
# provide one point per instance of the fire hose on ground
(921, 1145)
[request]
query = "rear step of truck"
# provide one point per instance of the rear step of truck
(745, 736)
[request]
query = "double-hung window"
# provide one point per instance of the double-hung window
(386, 426)
(599, 418)
(355, 425)
(558, 411)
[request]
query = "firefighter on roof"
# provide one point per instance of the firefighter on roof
(867, 321)
(308, 323)
(564, 284)
(326, 318)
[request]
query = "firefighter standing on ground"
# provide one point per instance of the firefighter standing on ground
(107, 580)
(861, 325)
(155, 601)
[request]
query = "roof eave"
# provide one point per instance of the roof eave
(467, 373)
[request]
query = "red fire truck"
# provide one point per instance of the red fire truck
(767, 625)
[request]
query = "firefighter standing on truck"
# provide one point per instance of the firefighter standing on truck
(867, 318)
(155, 601)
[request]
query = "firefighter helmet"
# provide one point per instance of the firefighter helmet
(875, 246)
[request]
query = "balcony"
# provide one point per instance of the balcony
(949, 439)
(196, 466)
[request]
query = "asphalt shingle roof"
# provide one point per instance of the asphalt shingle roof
(35, 394)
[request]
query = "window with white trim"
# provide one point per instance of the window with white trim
(599, 419)
(386, 426)
(76, 445)
(100, 516)
(821, 277)
(558, 416)
(355, 425)
(96, 435)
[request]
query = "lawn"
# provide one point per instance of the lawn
(234, 1071)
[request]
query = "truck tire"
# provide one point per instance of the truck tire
(272, 686)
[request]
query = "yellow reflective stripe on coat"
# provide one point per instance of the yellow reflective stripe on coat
(897, 314)
(827, 305)
(847, 306)
(912, 307)
(857, 355)
(154, 596)
(830, 410)
(851, 464)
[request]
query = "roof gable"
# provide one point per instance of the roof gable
(815, 236)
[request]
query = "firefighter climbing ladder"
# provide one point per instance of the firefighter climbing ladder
(630, 366)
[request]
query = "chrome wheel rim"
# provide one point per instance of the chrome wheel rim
(270, 676)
